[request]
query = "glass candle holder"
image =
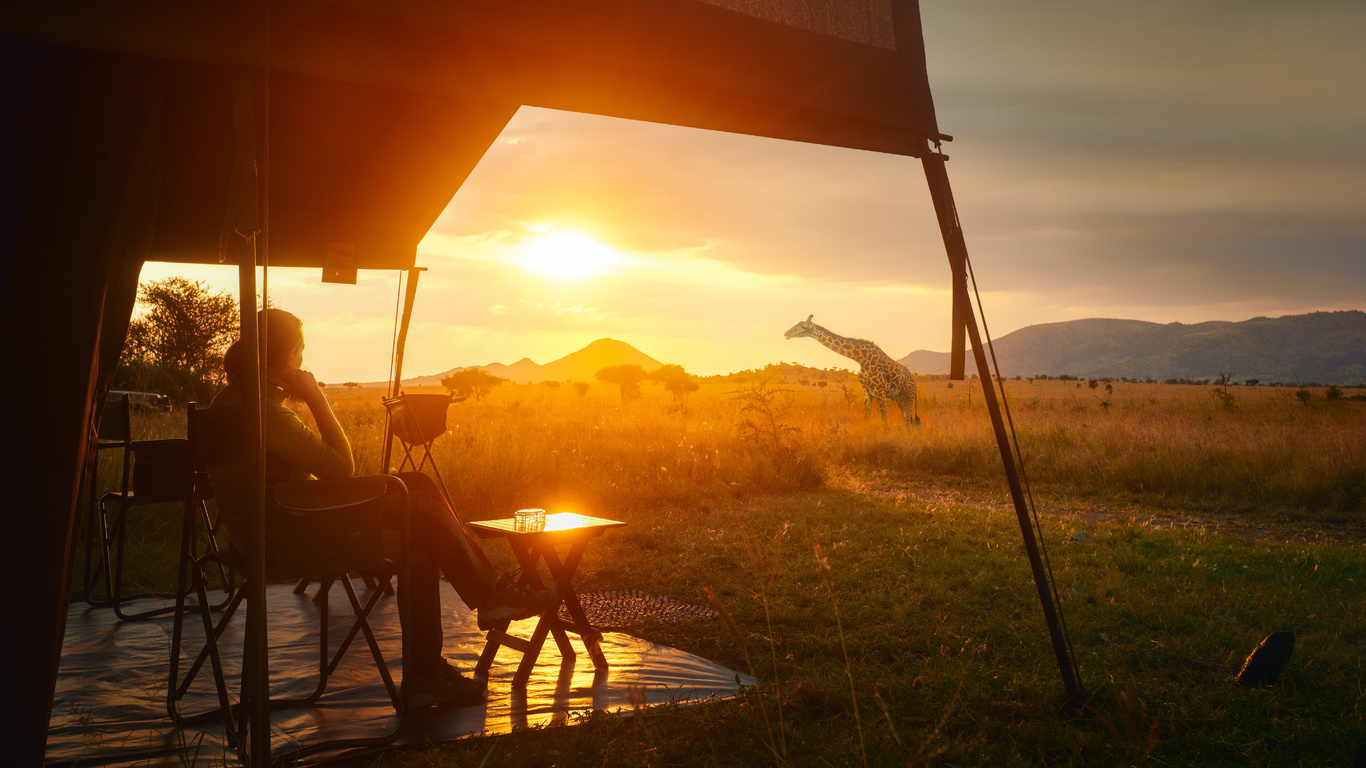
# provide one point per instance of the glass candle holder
(529, 520)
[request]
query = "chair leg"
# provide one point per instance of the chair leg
(216, 633)
(363, 623)
(211, 534)
(94, 547)
(211, 645)
(187, 534)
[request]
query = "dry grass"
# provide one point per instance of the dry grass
(1257, 451)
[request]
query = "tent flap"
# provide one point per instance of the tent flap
(357, 170)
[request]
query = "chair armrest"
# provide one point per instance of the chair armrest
(330, 526)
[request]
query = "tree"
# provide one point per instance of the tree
(176, 345)
(472, 381)
(628, 377)
(675, 380)
(581, 388)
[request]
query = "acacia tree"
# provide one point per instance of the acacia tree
(676, 380)
(628, 377)
(472, 381)
(176, 344)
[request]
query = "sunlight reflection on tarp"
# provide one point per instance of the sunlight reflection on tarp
(110, 699)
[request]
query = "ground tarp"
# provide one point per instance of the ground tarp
(110, 708)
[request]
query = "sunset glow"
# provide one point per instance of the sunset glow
(1077, 198)
(568, 256)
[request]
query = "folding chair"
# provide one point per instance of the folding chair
(115, 432)
(417, 421)
(162, 473)
(341, 521)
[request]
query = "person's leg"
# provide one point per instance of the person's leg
(435, 528)
(421, 622)
(427, 678)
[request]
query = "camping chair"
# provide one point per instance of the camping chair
(417, 421)
(115, 433)
(161, 474)
(341, 521)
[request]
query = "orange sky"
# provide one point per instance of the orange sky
(1163, 161)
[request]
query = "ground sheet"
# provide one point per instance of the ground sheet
(110, 703)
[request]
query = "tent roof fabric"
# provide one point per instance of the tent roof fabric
(379, 111)
(858, 21)
(826, 71)
(358, 173)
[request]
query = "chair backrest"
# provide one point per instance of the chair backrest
(162, 471)
(312, 528)
(418, 419)
(115, 422)
(215, 436)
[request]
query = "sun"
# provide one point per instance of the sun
(568, 255)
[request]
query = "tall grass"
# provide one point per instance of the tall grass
(1259, 450)
(537, 446)
(1167, 445)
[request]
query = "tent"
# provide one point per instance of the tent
(330, 134)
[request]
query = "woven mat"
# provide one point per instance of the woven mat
(626, 609)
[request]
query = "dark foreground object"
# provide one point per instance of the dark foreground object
(1266, 662)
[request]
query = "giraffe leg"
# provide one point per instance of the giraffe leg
(907, 405)
(882, 409)
(867, 405)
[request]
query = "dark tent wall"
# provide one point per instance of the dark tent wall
(79, 164)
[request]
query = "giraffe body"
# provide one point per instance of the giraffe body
(882, 377)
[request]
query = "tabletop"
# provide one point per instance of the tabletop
(560, 522)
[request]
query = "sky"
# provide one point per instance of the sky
(1163, 161)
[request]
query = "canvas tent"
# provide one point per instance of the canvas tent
(330, 134)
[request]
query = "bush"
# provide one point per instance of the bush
(176, 345)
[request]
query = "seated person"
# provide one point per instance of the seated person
(438, 541)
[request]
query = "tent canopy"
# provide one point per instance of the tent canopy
(126, 139)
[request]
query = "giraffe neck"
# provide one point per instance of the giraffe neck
(854, 349)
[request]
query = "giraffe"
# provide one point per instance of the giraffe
(881, 376)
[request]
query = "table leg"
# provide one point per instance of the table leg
(564, 575)
(532, 653)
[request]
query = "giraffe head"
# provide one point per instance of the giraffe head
(804, 328)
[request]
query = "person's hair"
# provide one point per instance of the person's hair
(283, 334)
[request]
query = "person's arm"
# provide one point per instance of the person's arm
(326, 455)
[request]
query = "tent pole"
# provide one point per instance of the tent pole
(249, 220)
(408, 297)
(942, 194)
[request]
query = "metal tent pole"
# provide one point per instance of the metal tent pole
(247, 219)
(408, 298)
(942, 194)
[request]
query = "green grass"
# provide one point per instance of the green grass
(948, 651)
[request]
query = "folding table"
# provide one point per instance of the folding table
(563, 528)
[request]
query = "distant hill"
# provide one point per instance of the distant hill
(1323, 347)
(576, 366)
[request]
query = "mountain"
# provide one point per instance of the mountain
(1323, 347)
(577, 366)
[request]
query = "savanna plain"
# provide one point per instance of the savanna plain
(874, 580)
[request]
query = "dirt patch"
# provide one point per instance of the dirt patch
(884, 486)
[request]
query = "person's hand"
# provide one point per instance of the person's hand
(301, 384)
